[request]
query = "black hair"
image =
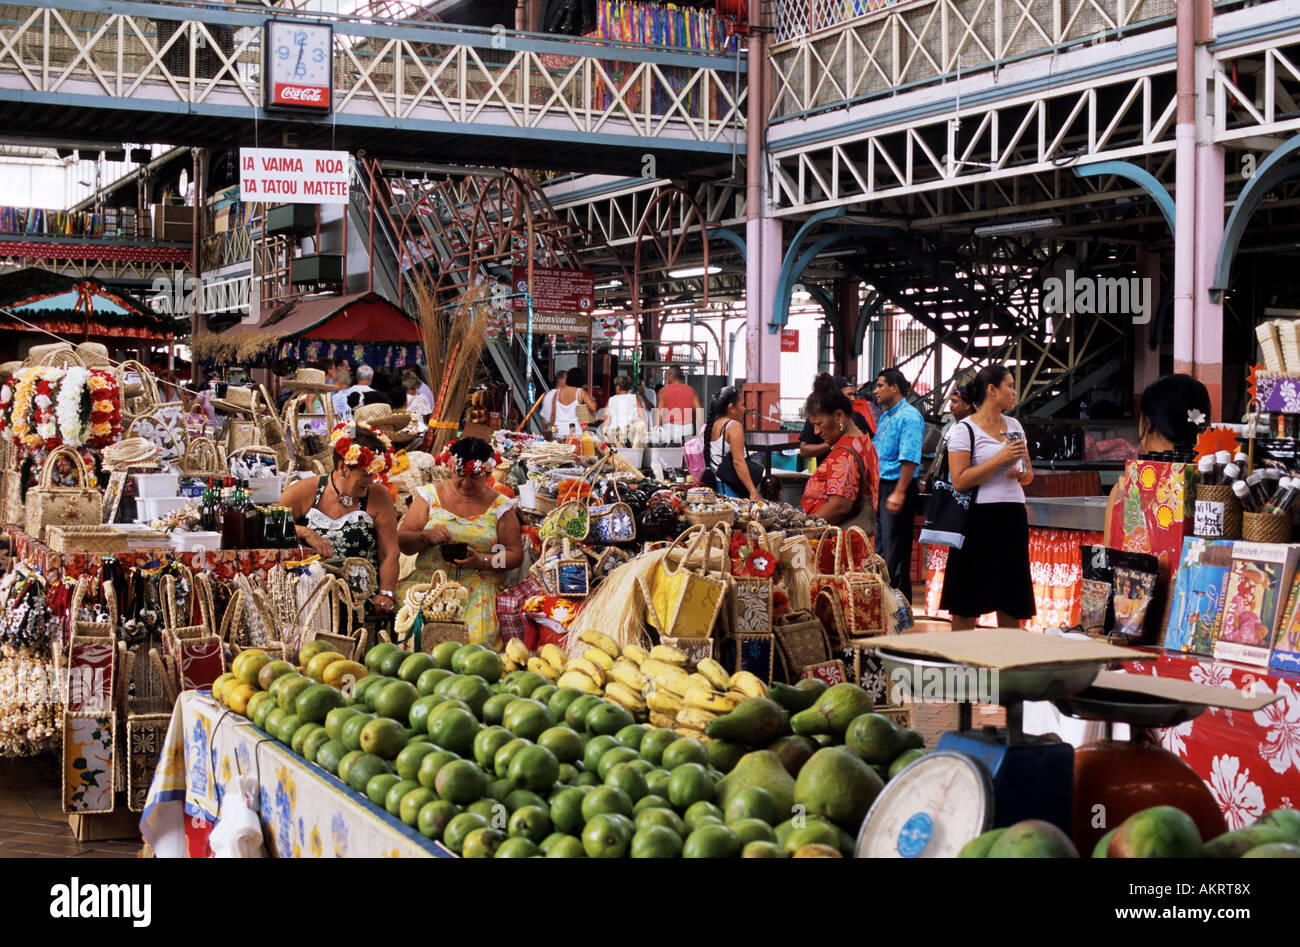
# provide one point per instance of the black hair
(827, 398)
(470, 449)
(978, 389)
(718, 406)
(1167, 401)
(896, 378)
(577, 378)
(622, 383)
(675, 373)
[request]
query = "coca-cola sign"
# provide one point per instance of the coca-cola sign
(302, 95)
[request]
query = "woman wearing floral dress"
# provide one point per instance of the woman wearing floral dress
(465, 509)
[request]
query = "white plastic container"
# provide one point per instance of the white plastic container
(528, 496)
(149, 509)
(263, 490)
(157, 486)
(666, 456)
(188, 542)
(633, 455)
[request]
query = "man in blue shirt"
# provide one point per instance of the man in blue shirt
(899, 433)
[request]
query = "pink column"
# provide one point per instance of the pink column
(1210, 186)
(1209, 237)
(763, 267)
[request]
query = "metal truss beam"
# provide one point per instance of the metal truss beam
(614, 207)
(850, 57)
(93, 54)
(1127, 116)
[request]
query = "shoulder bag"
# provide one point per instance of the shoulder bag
(946, 512)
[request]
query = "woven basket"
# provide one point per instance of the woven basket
(1229, 518)
(1266, 527)
(900, 715)
(202, 458)
(720, 515)
(434, 633)
(104, 540)
(800, 642)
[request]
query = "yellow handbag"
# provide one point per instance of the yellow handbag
(686, 599)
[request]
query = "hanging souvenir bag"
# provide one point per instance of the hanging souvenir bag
(80, 504)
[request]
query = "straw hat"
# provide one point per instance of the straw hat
(237, 400)
(94, 354)
(8, 368)
(308, 380)
(382, 416)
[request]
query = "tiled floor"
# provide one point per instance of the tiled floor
(31, 823)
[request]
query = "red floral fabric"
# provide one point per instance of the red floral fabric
(837, 475)
(1249, 761)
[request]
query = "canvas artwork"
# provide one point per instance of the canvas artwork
(1258, 583)
(1200, 588)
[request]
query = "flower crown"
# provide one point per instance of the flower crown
(460, 466)
(354, 455)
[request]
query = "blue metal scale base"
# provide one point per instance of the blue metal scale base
(1033, 776)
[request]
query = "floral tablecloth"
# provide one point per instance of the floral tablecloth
(1250, 761)
(305, 812)
(223, 563)
(1054, 567)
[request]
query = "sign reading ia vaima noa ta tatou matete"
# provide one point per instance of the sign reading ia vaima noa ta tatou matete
(292, 176)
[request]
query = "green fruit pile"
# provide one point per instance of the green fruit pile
(508, 765)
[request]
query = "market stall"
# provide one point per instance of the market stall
(363, 327)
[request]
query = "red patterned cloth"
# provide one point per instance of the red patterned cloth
(1054, 567)
(1249, 761)
(837, 475)
(510, 612)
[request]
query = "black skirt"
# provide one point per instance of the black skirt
(990, 572)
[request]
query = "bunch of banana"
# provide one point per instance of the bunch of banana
(550, 663)
(748, 685)
(630, 700)
(636, 654)
(627, 673)
(516, 655)
(603, 642)
(572, 677)
(669, 655)
(599, 658)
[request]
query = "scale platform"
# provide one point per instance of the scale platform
(1032, 777)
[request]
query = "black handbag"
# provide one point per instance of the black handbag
(948, 507)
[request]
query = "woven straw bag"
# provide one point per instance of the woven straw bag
(202, 458)
(47, 504)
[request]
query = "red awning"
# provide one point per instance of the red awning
(361, 317)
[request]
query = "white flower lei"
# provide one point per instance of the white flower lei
(67, 410)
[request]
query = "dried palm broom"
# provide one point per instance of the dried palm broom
(454, 337)
(618, 607)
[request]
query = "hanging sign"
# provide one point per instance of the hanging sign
(293, 176)
(553, 323)
(555, 290)
(790, 340)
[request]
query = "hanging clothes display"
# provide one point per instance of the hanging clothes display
(668, 25)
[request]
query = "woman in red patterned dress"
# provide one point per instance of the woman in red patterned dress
(843, 490)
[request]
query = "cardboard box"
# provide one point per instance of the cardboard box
(121, 823)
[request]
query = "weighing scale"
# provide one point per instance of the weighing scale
(1124, 777)
(976, 780)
